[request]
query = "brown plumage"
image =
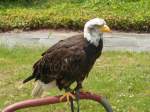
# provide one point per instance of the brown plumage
(67, 61)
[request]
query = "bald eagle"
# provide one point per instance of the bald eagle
(69, 60)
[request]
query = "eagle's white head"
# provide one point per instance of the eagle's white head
(93, 30)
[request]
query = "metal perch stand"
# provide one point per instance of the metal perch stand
(54, 100)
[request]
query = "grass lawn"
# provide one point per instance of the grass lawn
(129, 15)
(123, 77)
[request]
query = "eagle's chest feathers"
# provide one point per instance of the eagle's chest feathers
(93, 51)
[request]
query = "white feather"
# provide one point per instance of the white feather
(40, 87)
(66, 60)
(94, 35)
(38, 90)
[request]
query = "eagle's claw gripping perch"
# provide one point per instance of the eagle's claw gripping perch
(68, 95)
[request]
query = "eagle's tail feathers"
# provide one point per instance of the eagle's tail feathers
(29, 78)
(38, 90)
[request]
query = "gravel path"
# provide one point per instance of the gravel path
(112, 41)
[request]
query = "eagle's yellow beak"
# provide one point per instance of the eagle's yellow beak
(105, 28)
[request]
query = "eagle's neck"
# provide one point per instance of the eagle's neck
(93, 36)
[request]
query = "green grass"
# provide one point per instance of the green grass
(128, 15)
(123, 77)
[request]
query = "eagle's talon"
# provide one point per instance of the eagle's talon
(68, 95)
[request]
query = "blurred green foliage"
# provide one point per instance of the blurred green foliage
(128, 15)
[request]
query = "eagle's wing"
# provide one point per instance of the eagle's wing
(55, 57)
(59, 62)
(57, 66)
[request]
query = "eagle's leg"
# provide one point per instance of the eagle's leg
(77, 90)
(68, 94)
(72, 105)
(78, 98)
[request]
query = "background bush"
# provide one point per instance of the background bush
(128, 15)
